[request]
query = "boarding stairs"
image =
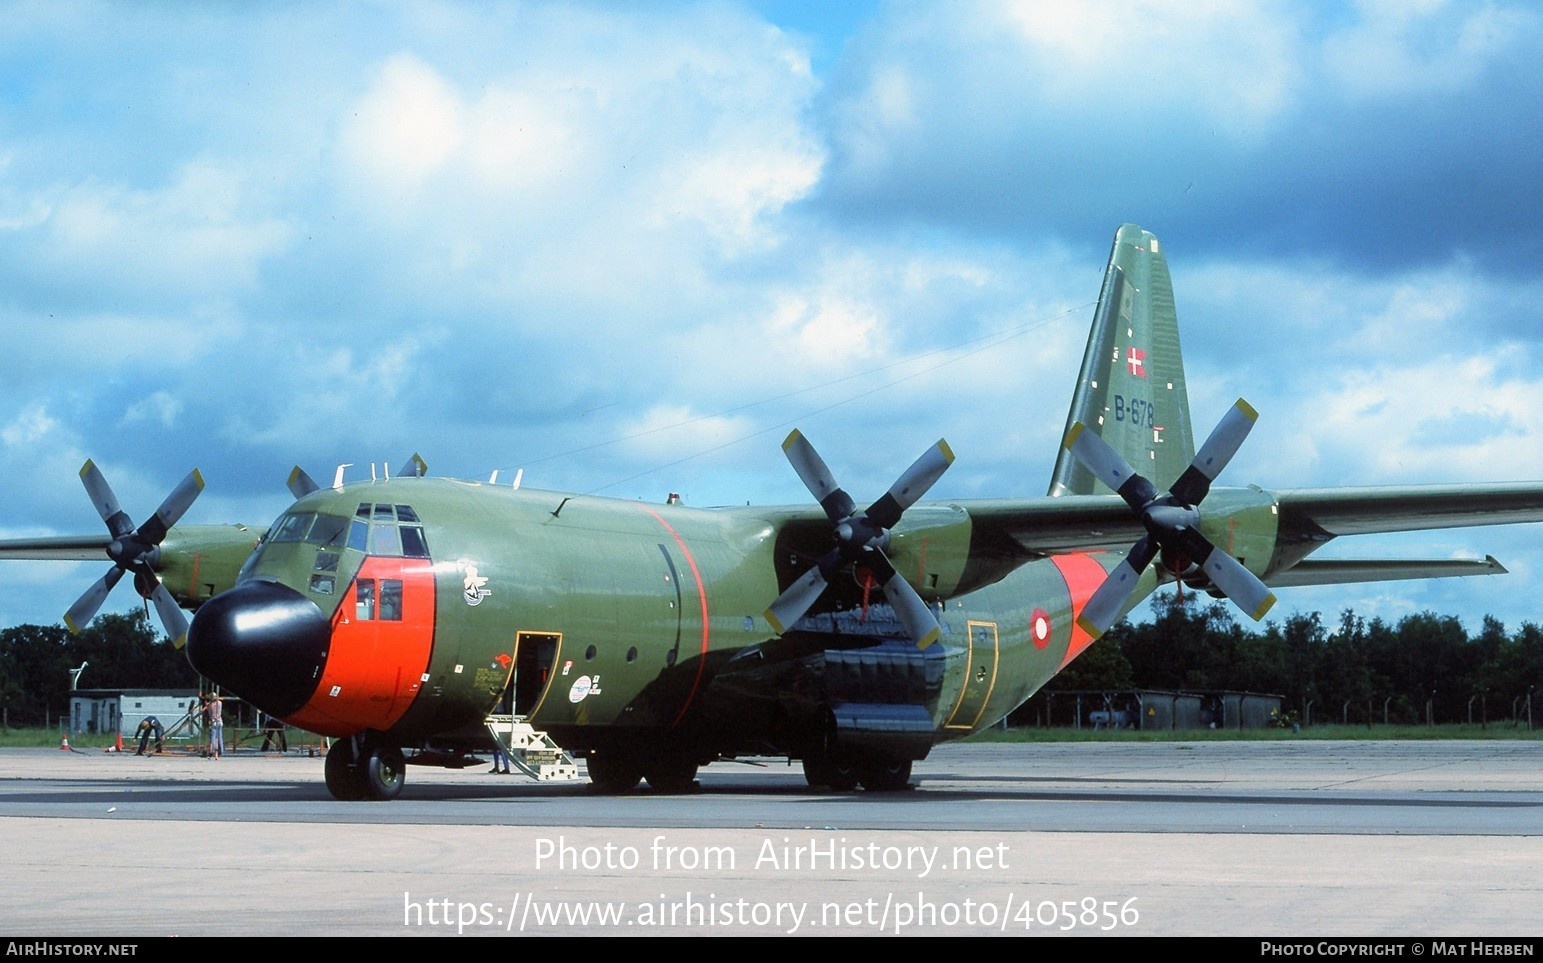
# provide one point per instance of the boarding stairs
(533, 753)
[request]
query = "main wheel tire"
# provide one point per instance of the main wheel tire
(383, 772)
(834, 773)
(612, 772)
(342, 772)
(885, 775)
(671, 776)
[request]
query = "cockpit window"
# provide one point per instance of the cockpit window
(328, 531)
(388, 530)
(383, 539)
(292, 528)
(359, 535)
(364, 599)
(391, 599)
(413, 545)
(309, 527)
(382, 600)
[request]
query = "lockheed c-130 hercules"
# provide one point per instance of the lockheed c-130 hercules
(394, 614)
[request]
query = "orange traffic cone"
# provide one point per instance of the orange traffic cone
(64, 742)
(117, 746)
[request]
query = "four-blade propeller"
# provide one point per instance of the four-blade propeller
(861, 537)
(135, 550)
(1172, 521)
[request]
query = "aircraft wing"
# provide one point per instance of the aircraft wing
(1056, 525)
(1309, 518)
(59, 548)
(1324, 513)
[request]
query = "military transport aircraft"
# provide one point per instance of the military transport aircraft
(394, 614)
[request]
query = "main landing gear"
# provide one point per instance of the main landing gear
(362, 767)
(845, 771)
(613, 771)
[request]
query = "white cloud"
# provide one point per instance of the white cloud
(199, 235)
(1229, 59)
(1397, 49)
(405, 128)
(500, 234)
(30, 426)
(160, 407)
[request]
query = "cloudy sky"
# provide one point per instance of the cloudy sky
(627, 247)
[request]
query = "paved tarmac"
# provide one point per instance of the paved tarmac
(1286, 839)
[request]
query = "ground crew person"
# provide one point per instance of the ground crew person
(147, 726)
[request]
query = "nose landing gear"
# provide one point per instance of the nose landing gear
(362, 767)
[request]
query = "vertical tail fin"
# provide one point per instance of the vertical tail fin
(1130, 390)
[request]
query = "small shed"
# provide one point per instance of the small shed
(122, 710)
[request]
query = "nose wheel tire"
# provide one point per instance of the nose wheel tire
(376, 772)
(383, 770)
(342, 772)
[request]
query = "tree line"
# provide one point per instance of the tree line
(121, 651)
(1423, 668)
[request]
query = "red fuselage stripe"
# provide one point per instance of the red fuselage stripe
(701, 591)
(1083, 575)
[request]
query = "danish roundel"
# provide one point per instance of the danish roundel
(1039, 628)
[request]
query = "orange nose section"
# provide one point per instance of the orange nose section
(382, 638)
